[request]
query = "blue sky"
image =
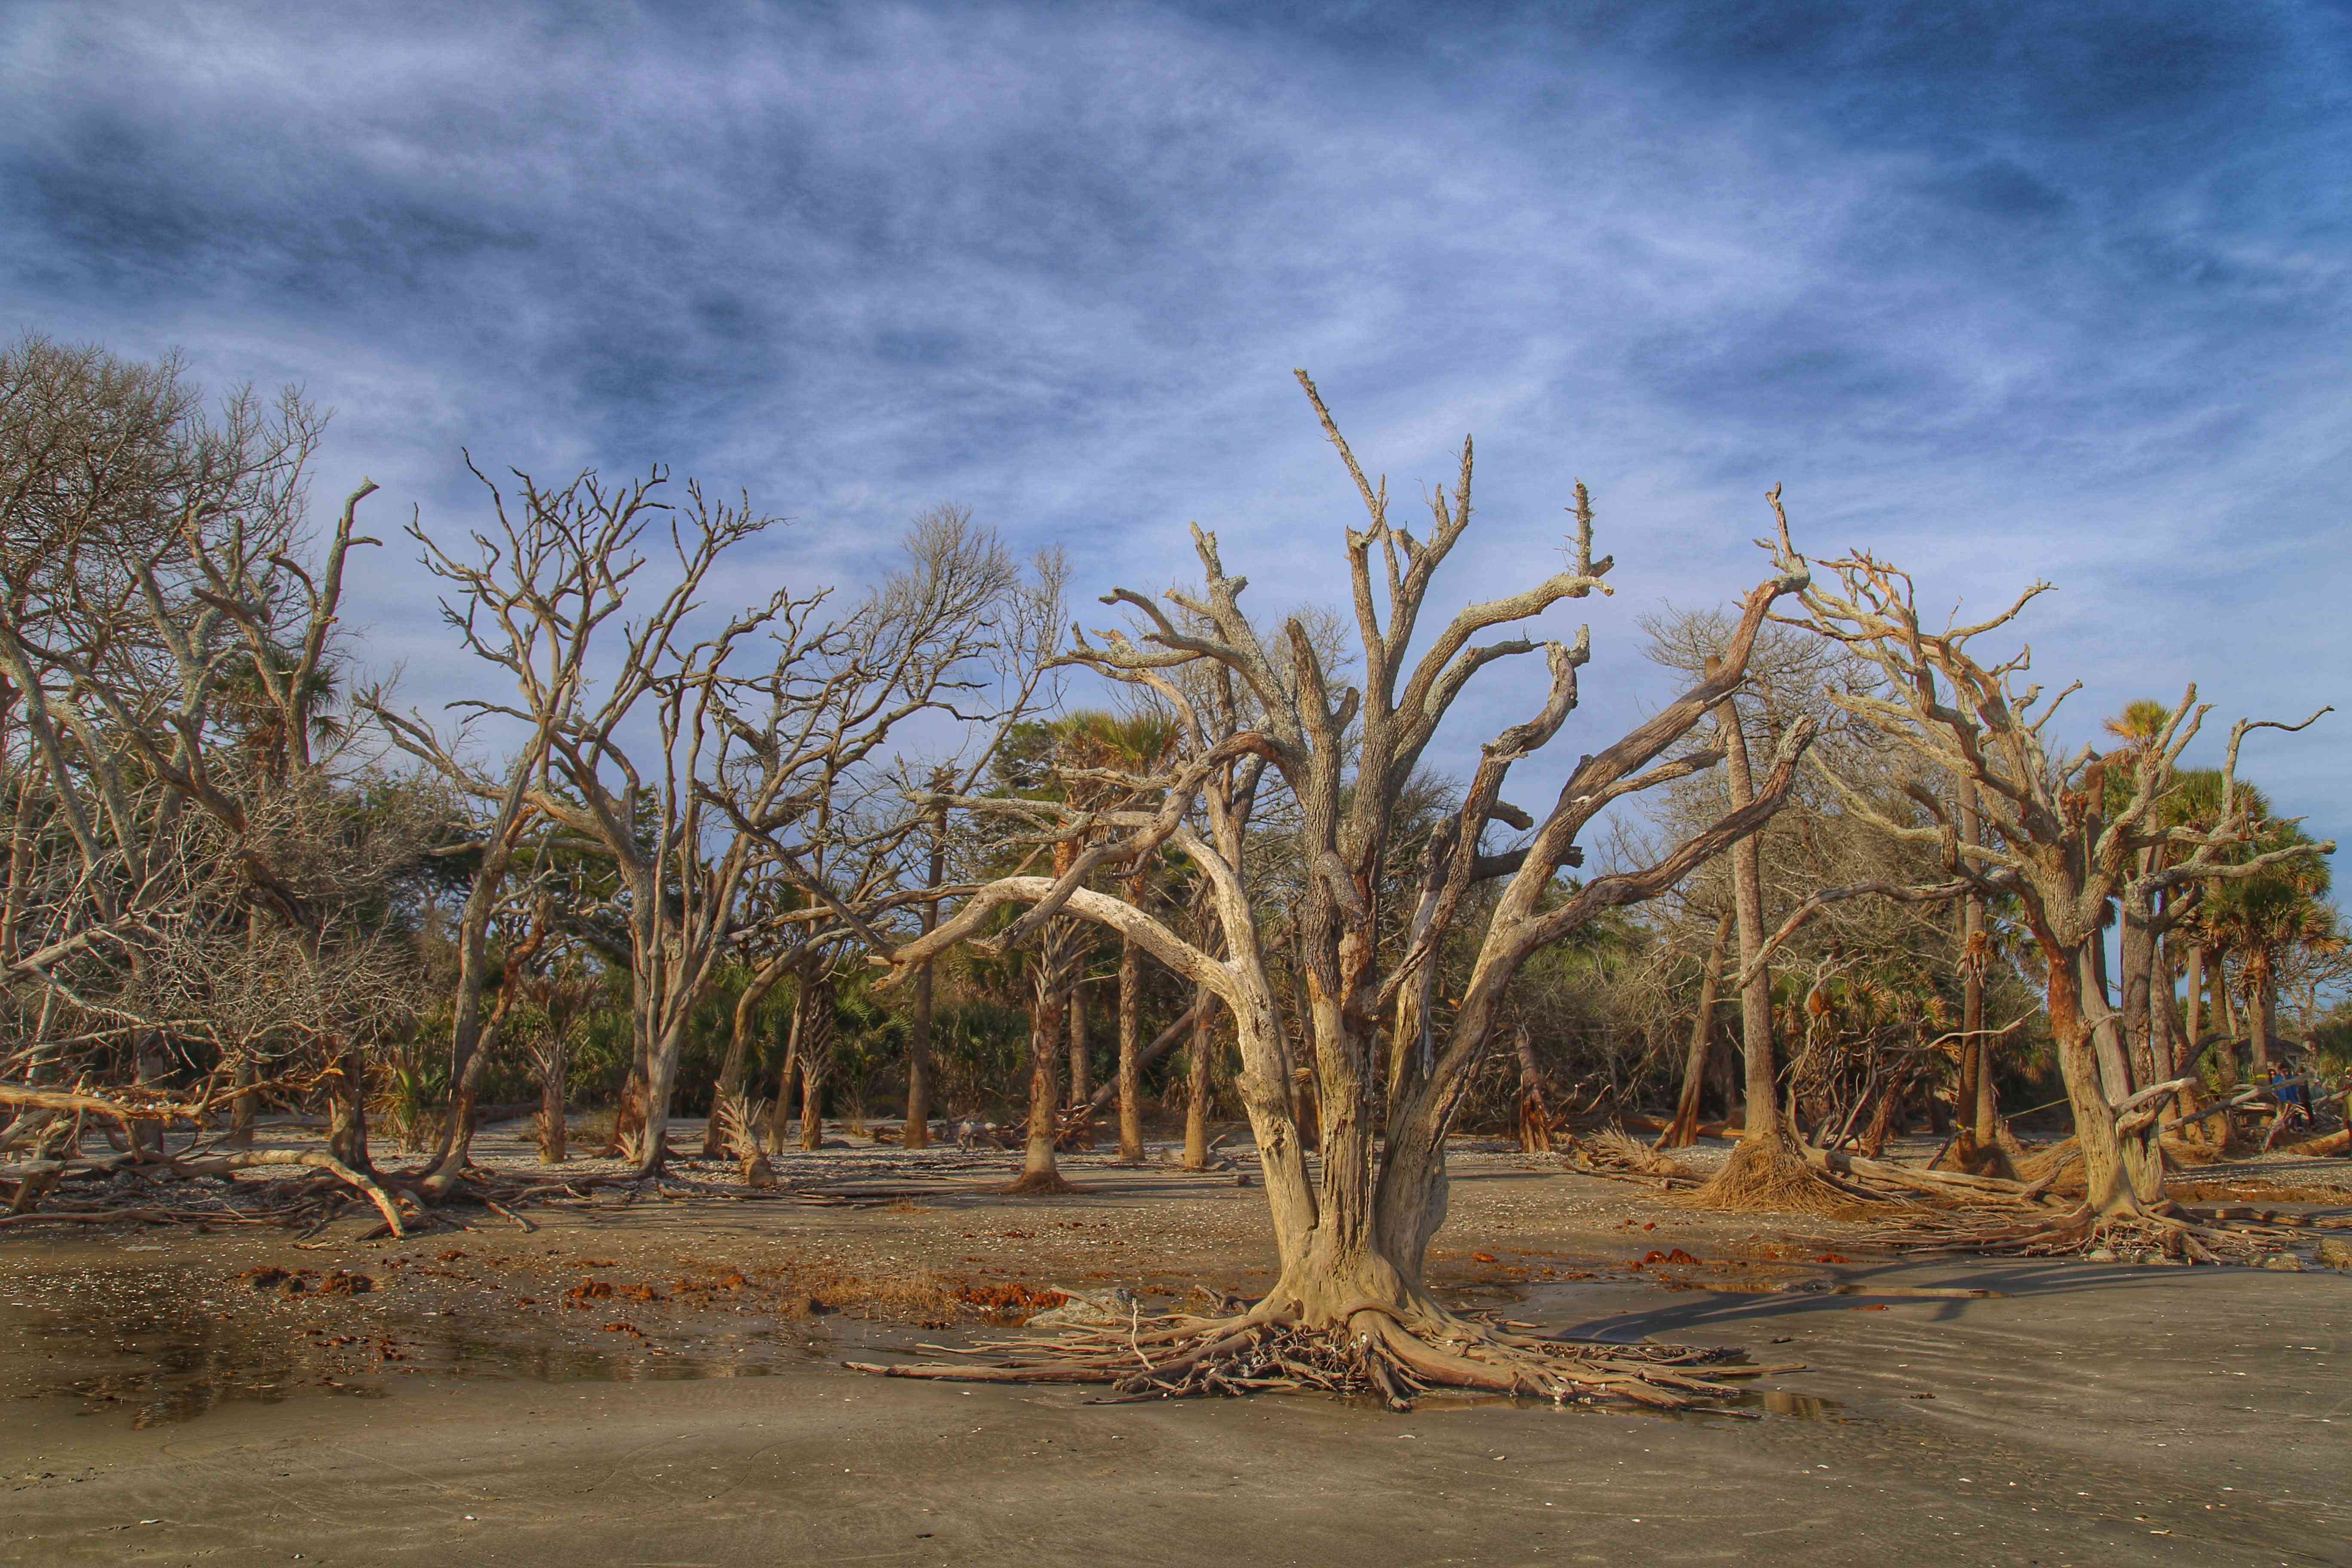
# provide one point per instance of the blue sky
(2000, 292)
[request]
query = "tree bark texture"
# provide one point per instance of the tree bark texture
(1683, 1131)
(1197, 1061)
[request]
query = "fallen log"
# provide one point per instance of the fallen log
(2147, 1105)
(119, 1110)
(1944, 1184)
(1165, 1042)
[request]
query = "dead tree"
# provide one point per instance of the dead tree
(742, 775)
(560, 991)
(1536, 1122)
(807, 781)
(1352, 1247)
(2054, 838)
(167, 643)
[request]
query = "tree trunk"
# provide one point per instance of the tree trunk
(1724, 1072)
(2195, 1019)
(347, 1137)
(1049, 1005)
(1305, 1108)
(780, 1114)
(1082, 1077)
(628, 1115)
(470, 1033)
(2260, 1002)
(1534, 1116)
(2108, 1184)
(456, 1150)
(812, 1103)
(2136, 955)
(2225, 1049)
(1766, 1125)
(918, 1132)
(148, 1067)
(762, 981)
(1983, 1110)
(554, 1133)
(242, 1109)
(2176, 1041)
(660, 1082)
(1683, 1131)
(1131, 1032)
(1766, 1169)
(2163, 1014)
(1196, 1088)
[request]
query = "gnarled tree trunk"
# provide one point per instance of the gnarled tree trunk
(1534, 1116)
(1683, 1131)
(1048, 1015)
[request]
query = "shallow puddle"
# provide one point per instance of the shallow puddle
(166, 1355)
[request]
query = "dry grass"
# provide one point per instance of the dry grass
(2179, 1153)
(2040, 1163)
(917, 1293)
(1616, 1147)
(1757, 1179)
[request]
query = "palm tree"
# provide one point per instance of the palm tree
(2139, 724)
(2256, 919)
(261, 722)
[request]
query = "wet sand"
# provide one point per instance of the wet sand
(160, 1408)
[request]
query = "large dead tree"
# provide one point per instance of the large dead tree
(2066, 834)
(1389, 1067)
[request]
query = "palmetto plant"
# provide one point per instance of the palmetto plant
(2257, 919)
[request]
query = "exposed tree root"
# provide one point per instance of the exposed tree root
(2160, 1234)
(1374, 1351)
(1040, 1184)
(1764, 1178)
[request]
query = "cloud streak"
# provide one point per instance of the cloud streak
(1999, 293)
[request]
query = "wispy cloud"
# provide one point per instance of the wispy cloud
(2001, 293)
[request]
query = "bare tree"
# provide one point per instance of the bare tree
(1352, 1245)
(167, 637)
(744, 777)
(2053, 838)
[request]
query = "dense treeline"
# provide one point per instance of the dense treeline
(825, 855)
